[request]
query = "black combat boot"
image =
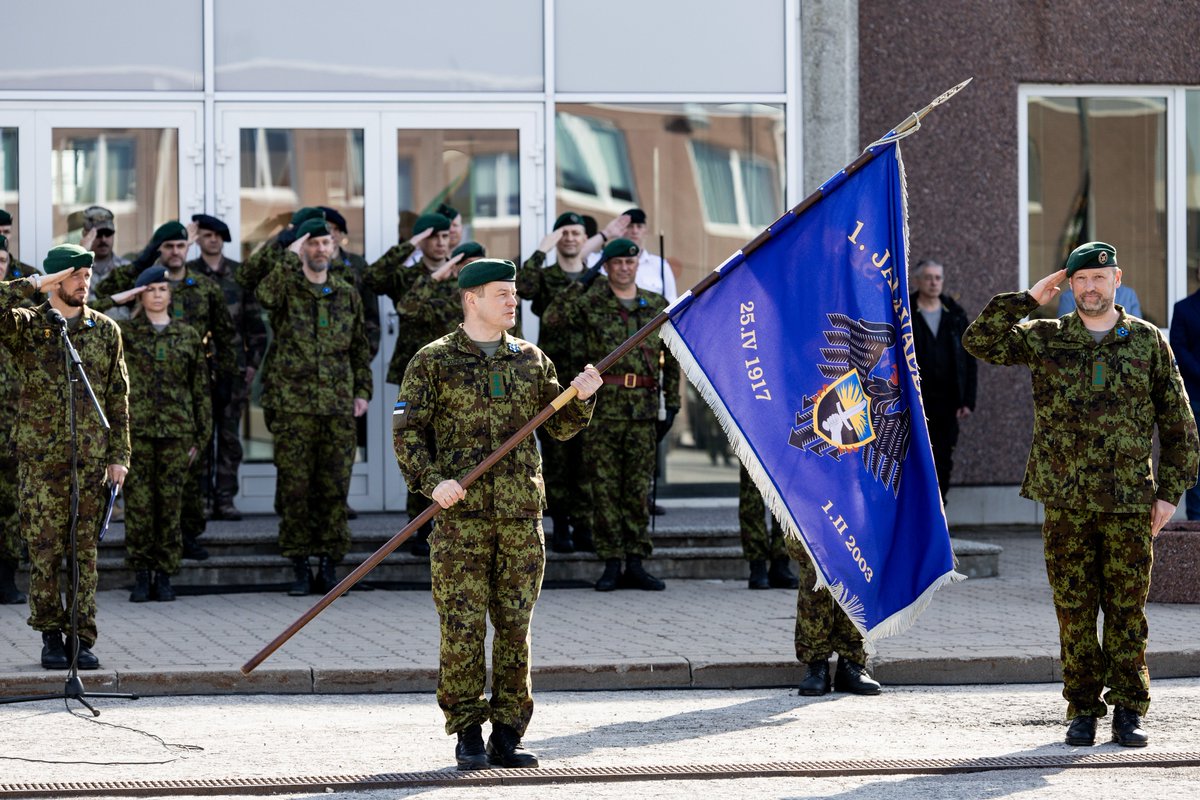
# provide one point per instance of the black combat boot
(1127, 728)
(9, 594)
(611, 577)
(469, 751)
(503, 746)
(164, 592)
(326, 573)
(141, 586)
(853, 677)
(1082, 731)
(780, 576)
(193, 550)
(85, 659)
(816, 679)
(225, 509)
(636, 576)
(758, 575)
(302, 585)
(54, 655)
(420, 541)
(562, 542)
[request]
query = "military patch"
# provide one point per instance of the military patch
(1121, 331)
(496, 384)
(91, 323)
(513, 347)
(160, 351)
(177, 308)
(190, 282)
(400, 415)
(325, 290)
(322, 317)
(1098, 373)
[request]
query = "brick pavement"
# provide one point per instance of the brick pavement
(697, 633)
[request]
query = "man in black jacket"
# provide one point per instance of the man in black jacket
(947, 370)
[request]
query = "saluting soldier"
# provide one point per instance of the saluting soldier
(249, 347)
(462, 396)
(620, 451)
(10, 523)
(198, 301)
(316, 380)
(170, 413)
(16, 269)
(351, 267)
(44, 444)
(1102, 381)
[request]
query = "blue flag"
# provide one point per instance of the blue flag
(804, 350)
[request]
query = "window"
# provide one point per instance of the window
(594, 159)
(737, 190)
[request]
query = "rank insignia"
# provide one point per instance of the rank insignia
(495, 384)
(1122, 331)
(512, 347)
(91, 323)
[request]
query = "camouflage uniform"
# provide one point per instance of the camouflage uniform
(619, 452)
(351, 267)
(752, 519)
(487, 551)
(170, 411)
(43, 443)
(1095, 408)
(198, 301)
(10, 523)
(249, 346)
(822, 627)
(566, 497)
(318, 364)
(388, 276)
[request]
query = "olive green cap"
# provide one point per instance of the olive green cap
(447, 211)
(568, 218)
(619, 248)
(435, 221)
(305, 214)
(1092, 255)
(486, 270)
(469, 250)
(313, 227)
(172, 231)
(67, 256)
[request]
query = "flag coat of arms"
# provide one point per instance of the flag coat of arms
(804, 350)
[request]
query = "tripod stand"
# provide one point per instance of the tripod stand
(73, 689)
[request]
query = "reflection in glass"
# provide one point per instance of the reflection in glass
(9, 200)
(283, 170)
(133, 172)
(709, 177)
(1192, 190)
(1100, 174)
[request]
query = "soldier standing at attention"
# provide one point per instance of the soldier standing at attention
(316, 380)
(620, 451)
(249, 347)
(170, 414)
(1102, 380)
(10, 521)
(44, 441)
(758, 546)
(462, 396)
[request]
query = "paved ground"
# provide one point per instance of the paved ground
(714, 634)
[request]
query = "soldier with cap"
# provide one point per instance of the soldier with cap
(170, 414)
(99, 235)
(462, 396)
(654, 274)
(567, 499)
(1102, 381)
(44, 444)
(351, 267)
(620, 451)
(316, 380)
(196, 300)
(10, 523)
(249, 347)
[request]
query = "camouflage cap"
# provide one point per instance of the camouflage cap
(486, 270)
(469, 250)
(67, 256)
(619, 248)
(313, 227)
(568, 218)
(435, 221)
(1092, 255)
(99, 218)
(151, 275)
(305, 214)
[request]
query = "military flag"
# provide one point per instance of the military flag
(804, 350)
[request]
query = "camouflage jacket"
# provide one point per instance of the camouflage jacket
(430, 310)
(249, 327)
(388, 276)
(461, 406)
(351, 268)
(319, 361)
(540, 284)
(605, 325)
(1095, 407)
(10, 403)
(168, 382)
(196, 300)
(37, 359)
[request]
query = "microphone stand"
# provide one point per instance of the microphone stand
(73, 689)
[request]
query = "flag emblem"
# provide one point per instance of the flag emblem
(842, 415)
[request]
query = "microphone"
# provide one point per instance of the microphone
(56, 318)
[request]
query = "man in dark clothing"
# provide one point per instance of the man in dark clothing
(947, 370)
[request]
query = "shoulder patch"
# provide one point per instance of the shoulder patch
(190, 281)
(91, 323)
(400, 415)
(514, 347)
(1122, 331)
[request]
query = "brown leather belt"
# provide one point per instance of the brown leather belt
(630, 380)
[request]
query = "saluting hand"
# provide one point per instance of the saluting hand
(617, 228)
(87, 239)
(447, 493)
(552, 239)
(1048, 287)
(121, 298)
(298, 245)
(447, 270)
(420, 237)
(587, 383)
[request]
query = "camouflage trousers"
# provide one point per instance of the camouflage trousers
(195, 488)
(1100, 562)
(752, 519)
(229, 442)
(483, 568)
(45, 496)
(563, 471)
(822, 627)
(620, 463)
(314, 456)
(153, 501)
(10, 520)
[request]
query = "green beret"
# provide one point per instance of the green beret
(5, 217)
(568, 218)
(486, 270)
(67, 256)
(1092, 255)
(313, 227)
(172, 231)
(618, 248)
(435, 221)
(449, 212)
(469, 250)
(305, 214)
